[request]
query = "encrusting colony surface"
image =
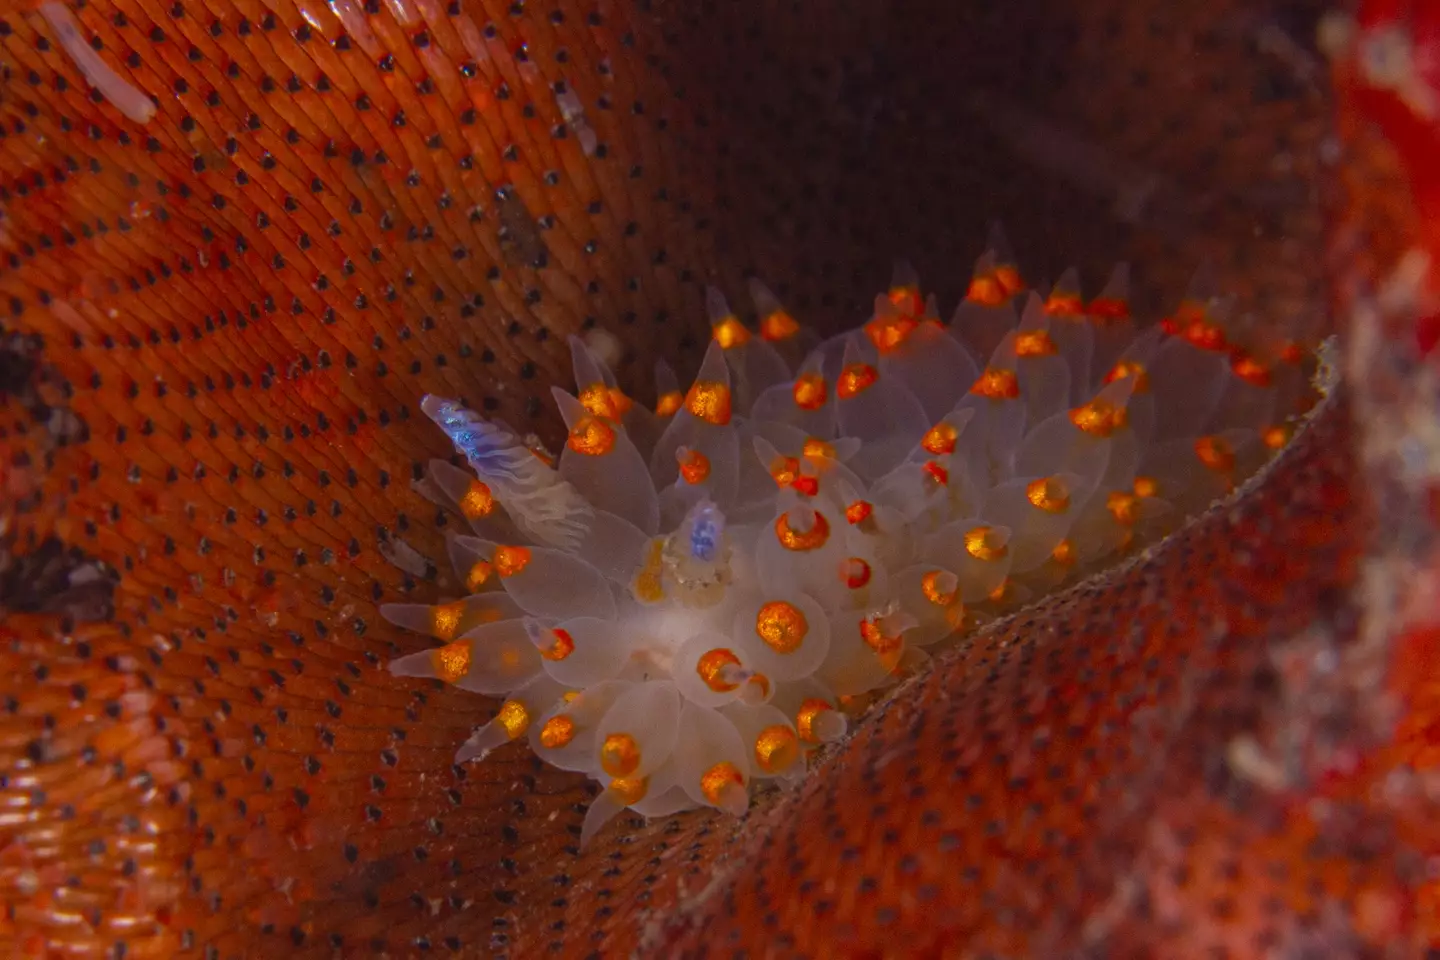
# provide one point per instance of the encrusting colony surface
(684, 601)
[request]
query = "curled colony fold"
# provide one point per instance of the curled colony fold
(682, 604)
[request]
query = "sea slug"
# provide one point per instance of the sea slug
(682, 603)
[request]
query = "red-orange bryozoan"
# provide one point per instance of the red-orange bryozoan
(338, 207)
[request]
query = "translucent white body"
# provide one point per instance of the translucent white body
(679, 605)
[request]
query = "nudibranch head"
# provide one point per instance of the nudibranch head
(679, 605)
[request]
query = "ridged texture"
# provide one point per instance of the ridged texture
(1030, 710)
(226, 764)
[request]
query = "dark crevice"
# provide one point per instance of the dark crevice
(57, 579)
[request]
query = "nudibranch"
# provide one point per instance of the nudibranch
(685, 600)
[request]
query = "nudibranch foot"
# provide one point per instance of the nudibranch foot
(682, 603)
